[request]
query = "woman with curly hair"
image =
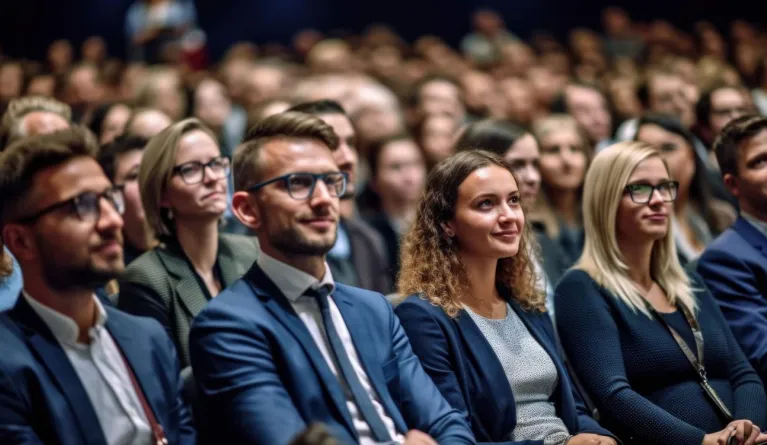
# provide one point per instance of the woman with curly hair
(475, 317)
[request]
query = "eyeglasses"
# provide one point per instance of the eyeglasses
(194, 172)
(301, 185)
(642, 193)
(85, 205)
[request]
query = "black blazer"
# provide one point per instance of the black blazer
(161, 284)
(391, 240)
(555, 260)
(466, 370)
(369, 256)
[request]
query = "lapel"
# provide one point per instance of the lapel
(186, 287)
(232, 269)
(60, 370)
(364, 344)
(279, 306)
(560, 392)
(751, 234)
(136, 353)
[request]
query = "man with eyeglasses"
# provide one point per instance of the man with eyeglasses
(73, 370)
(716, 107)
(734, 266)
(287, 345)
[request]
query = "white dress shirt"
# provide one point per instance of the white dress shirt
(294, 283)
(103, 374)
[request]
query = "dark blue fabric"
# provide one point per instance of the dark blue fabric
(263, 379)
(464, 367)
(644, 386)
(678, 322)
(42, 400)
(10, 286)
(734, 267)
(361, 398)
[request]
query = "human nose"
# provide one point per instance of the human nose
(108, 216)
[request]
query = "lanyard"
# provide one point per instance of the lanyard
(696, 362)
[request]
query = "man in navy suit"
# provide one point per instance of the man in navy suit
(286, 345)
(734, 266)
(72, 370)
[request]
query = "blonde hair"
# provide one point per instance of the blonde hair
(431, 264)
(18, 108)
(156, 171)
(602, 258)
(543, 211)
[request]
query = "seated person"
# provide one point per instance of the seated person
(183, 183)
(287, 345)
(643, 336)
(734, 266)
(475, 317)
(73, 370)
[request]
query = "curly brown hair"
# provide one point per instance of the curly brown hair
(431, 264)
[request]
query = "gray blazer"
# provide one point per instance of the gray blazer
(369, 256)
(162, 285)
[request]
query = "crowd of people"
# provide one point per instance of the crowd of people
(359, 240)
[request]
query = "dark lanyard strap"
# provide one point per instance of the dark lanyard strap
(696, 362)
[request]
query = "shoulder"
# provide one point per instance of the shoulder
(577, 278)
(148, 327)
(236, 304)
(366, 297)
(725, 245)
(147, 268)
(244, 247)
(416, 303)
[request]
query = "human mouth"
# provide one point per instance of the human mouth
(320, 223)
(110, 248)
(506, 234)
(657, 217)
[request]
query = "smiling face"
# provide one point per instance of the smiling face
(488, 219)
(648, 221)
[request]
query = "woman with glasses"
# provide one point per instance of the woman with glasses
(647, 340)
(697, 217)
(565, 157)
(183, 184)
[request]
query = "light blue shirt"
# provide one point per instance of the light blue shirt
(342, 249)
(10, 286)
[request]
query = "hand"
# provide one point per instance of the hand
(316, 434)
(591, 439)
(415, 437)
(745, 433)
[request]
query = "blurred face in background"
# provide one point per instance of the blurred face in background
(42, 85)
(167, 96)
(667, 93)
(94, 49)
(401, 174)
(147, 123)
(520, 99)
(440, 96)
(675, 150)
(345, 156)
(524, 158)
(264, 83)
(114, 123)
(545, 84)
(84, 87)
(11, 81)
(60, 55)
(481, 95)
(211, 105)
(563, 159)
(126, 176)
(437, 135)
(589, 109)
(726, 105)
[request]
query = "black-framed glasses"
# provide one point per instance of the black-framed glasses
(193, 172)
(301, 185)
(642, 193)
(87, 206)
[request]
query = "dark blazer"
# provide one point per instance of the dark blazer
(391, 242)
(734, 267)
(369, 256)
(464, 367)
(263, 379)
(42, 400)
(644, 386)
(555, 260)
(163, 285)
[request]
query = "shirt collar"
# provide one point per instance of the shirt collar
(293, 283)
(759, 224)
(64, 328)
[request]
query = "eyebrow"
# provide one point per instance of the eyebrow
(646, 182)
(493, 195)
(759, 157)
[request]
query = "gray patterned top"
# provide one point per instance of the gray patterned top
(531, 374)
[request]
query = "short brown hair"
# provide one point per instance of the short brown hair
(22, 160)
(431, 265)
(729, 142)
(291, 124)
(11, 129)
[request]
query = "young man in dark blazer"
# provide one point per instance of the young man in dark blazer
(734, 266)
(287, 345)
(74, 370)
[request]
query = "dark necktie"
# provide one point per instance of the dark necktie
(347, 374)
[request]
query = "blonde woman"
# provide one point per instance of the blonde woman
(565, 157)
(629, 317)
(475, 317)
(183, 184)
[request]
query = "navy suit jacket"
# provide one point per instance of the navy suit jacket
(734, 267)
(43, 401)
(468, 373)
(263, 379)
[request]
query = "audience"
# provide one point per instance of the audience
(264, 364)
(588, 106)
(74, 368)
(474, 313)
(734, 266)
(108, 121)
(697, 216)
(147, 122)
(359, 256)
(120, 161)
(33, 115)
(648, 341)
(183, 184)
